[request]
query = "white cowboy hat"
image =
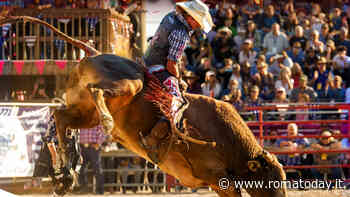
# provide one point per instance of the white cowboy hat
(199, 11)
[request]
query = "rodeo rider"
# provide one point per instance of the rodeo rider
(164, 54)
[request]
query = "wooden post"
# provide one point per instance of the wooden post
(143, 27)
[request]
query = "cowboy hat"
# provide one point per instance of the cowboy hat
(190, 75)
(225, 30)
(199, 12)
(322, 60)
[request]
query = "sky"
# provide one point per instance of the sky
(156, 10)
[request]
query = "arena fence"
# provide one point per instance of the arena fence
(342, 120)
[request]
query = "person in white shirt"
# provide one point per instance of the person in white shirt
(341, 60)
(247, 53)
(211, 87)
(285, 81)
(275, 41)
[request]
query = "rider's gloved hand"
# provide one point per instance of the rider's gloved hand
(172, 68)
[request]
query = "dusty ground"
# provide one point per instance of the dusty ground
(339, 193)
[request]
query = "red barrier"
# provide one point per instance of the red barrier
(261, 123)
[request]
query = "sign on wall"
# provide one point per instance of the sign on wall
(21, 130)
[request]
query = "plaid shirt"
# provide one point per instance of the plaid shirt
(178, 40)
(92, 136)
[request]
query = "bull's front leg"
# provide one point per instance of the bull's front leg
(105, 116)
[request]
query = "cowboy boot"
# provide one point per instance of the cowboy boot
(152, 141)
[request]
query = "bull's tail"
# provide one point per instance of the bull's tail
(89, 50)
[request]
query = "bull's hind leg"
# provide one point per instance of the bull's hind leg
(105, 116)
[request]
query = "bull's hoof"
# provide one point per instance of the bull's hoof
(107, 123)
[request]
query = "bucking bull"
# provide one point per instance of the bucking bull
(216, 149)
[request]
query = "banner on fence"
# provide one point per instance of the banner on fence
(21, 130)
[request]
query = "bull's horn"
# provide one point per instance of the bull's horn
(254, 165)
(89, 50)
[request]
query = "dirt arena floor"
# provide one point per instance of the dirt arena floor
(336, 193)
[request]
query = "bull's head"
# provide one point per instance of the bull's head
(266, 168)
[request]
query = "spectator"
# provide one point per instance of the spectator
(124, 174)
(343, 39)
(239, 38)
(336, 19)
(253, 100)
(292, 144)
(285, 81)
(233, 84)
(315, 9)
(254, 35)
(264, 80)
(247, 79)
(341, 61)
(191, 79)
(275, 42)
(222, 46)
(321, 77)
(250, 10)
(270, 144)
(290, 24)
(40, 90)
(136, 175)
(280, 98)
(297, 72)
(235, 98)
(310, 63)
(269, 19)
(279, 62)
(225, 72)
(297, 54)
(325, 35)
(298, 37)
(211, 86)
(326, 143)
(203, 67)
(303, 99)
(247, 53)
(314, 43)
(337, 92)
(90, 143)
(236, 75)
(316, 23)
(280, 95)
(288, 8)
(192, 51)
(330, 50)
(303, 88)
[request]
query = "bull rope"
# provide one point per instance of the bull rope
(89, 50)
(157, 94)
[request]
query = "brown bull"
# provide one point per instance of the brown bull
(236, 156)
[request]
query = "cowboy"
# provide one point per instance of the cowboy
(167, 47)
(50, 162)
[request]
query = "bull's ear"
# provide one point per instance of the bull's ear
(254, 165)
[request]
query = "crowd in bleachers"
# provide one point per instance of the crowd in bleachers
(279, 53)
